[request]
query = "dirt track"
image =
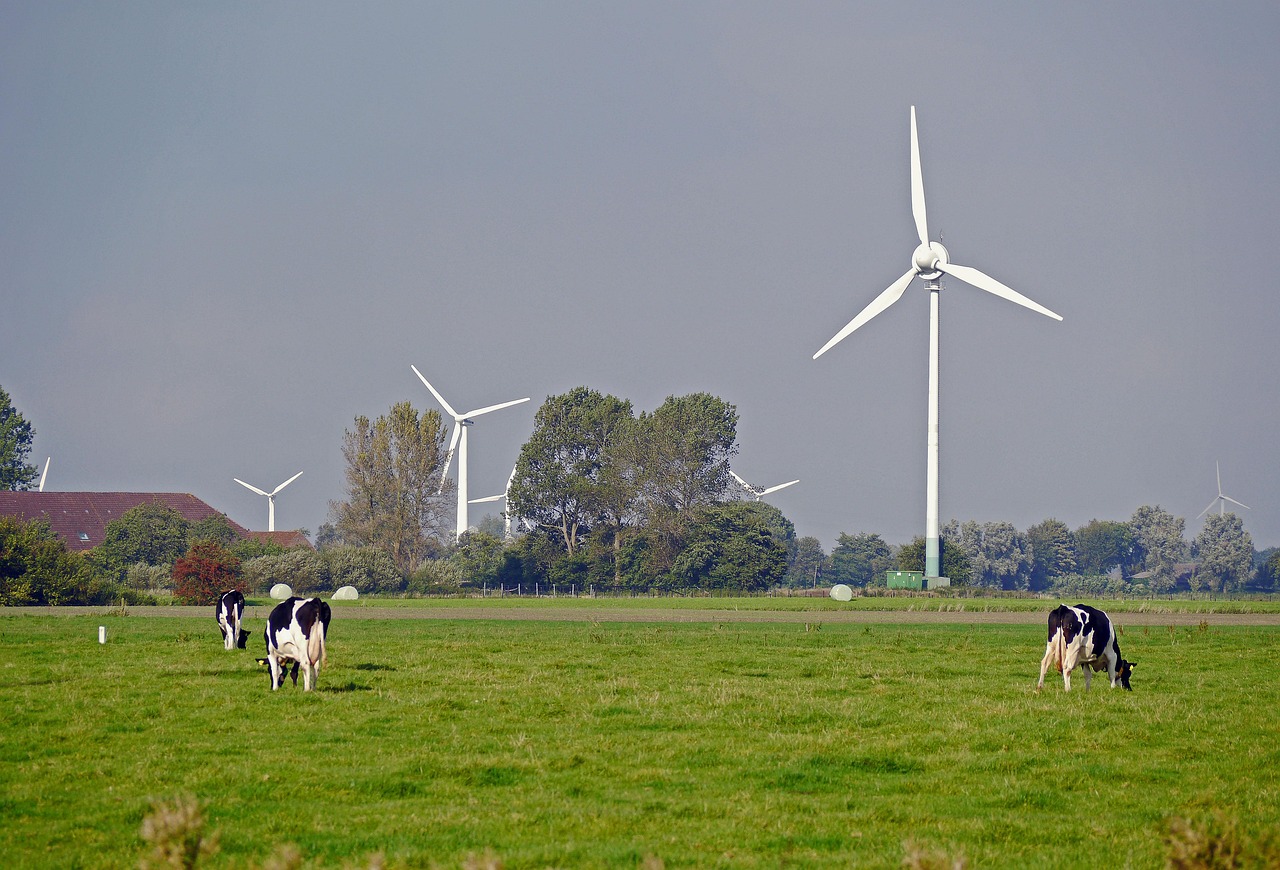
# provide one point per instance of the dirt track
(604, 613)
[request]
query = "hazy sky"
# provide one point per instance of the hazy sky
(229, 228)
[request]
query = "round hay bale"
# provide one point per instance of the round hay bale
(841, 592)
(281, 591)
(346, 593)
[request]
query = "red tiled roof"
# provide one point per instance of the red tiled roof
(80, 518)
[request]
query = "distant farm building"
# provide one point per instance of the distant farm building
(80, 518)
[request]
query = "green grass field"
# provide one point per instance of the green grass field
(604, 744)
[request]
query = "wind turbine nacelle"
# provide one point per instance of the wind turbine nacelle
(926, 258)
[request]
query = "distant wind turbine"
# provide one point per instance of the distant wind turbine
(1221, 500)
(44, 473)
(502, 496)
(271, 498)
(458, 442)
(929, 262)
(757, 492)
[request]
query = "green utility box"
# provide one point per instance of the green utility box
(914, 580)
(904, 579)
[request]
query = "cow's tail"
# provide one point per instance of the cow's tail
(315, 644)
(1062, 651)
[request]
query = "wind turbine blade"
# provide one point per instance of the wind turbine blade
(486, 498)
(252, 487)
(917, 185)
(982, 281)
(44, 473)
(1209, 508)
(886, 298)
(1233, 501)
(779, 486)
(1218, 469)
(478, 411)
(439, 398)
(453, 444)
(745, 485)
(286, 483)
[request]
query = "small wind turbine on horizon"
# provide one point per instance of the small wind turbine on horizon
(1222, 499)
(930, 261)
(271, 498)
(458, 442)
(503, 497)
(758, 493)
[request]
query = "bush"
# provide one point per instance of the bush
(37, 569)
(1088, 585)
(204, 573)
(366, 568)
(146, 577)
(436, 577)
(301, 569)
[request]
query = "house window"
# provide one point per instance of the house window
(84, 536)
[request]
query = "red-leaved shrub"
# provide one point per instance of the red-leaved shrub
(204, 573)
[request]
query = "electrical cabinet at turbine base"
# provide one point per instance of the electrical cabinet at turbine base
(914, 580)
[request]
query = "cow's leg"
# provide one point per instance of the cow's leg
(277, 672)
(308, 675)
(1111, 670)
(294, 674)
(1088, 677)
(1045, 664)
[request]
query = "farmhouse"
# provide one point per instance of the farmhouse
(80, 518)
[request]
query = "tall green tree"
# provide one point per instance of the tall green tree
(1157, 545)
(573, 472)
(152, 533)
(860, 559)
(16, 435)
(1053, 552)
(807, 563)
(395, 500)
(687, 444)
(731, 546)
(1102, 545)
(955, 562)
(1225, 553)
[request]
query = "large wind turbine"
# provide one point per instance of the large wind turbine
(502, 496)
(458, 441)
(929, 262)
(1221, 500)
(271, 498)
(758, 492)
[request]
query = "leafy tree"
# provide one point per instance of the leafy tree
(1267, 576)
(688, 442)
(204, 573)
(807, 563)
(955, 563)
(368, 569)
(1053, 552)
(996, 552)
(1225, 551)
(730, 546)
(478, 558)
(1102, 545)
(302, 569)
(16, 435)
(36, 568)
(562, 481)
(216, 528)
(395, 501)
(150, 533)
(860, 560)
(1157, 545)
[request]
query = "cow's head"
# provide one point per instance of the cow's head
(1124, 671)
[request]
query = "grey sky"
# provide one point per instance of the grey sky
(230, 228)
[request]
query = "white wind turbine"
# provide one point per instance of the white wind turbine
(458, 441)
(757, 492)
(929, 262)
(1221, 500)
(271, 498)
(44, 473)
(502, 496)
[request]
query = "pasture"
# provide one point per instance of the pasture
(615, 744)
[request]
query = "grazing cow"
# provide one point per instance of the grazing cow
(229, 613)
(295, 633)
(1083, 636)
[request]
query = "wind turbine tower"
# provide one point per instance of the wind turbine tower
(929, 262)
(458, 441)
(506, 510)
(271, 498)
(1221, 500)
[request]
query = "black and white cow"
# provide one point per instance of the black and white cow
(229, 612)
(1082, 636)
(295, 633)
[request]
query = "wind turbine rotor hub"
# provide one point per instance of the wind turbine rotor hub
(926, 258)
